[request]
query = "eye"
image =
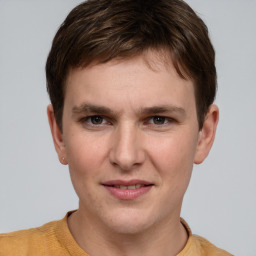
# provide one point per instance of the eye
(159, 120)
(93, 120)
(96, 120)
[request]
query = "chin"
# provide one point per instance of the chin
(129, 222)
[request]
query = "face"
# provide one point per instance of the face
(130, 137)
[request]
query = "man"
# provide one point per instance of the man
(132, 85)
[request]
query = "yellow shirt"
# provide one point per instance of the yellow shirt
(55, 239)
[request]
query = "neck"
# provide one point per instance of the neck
(167, 238)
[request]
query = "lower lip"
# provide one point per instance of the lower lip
(128, 194)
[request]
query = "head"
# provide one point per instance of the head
(132, 85)
(98, 31)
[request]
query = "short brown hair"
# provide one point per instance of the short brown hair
(101, 30)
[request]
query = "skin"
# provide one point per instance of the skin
(126, 120)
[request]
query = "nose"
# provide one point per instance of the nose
(127, 148)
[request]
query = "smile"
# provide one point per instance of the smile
(127, 190)
(129, 187)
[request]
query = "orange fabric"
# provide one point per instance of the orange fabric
(199, 246)
(54, 238)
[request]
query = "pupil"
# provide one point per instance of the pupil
(159, 120)
(96, 120)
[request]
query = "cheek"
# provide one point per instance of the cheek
(84, 165)
(85, 156)
(173, 157)
(85, 149)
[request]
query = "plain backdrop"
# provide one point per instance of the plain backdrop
(35, 188)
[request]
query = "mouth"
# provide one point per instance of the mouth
(127, 190)
(129, 187)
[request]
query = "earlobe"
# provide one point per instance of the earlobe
(57, 136)
(207, 134)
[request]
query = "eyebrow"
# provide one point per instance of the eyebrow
(90, 108)
(162, 109)
(154, 110)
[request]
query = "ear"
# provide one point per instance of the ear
(207, 134)
(57, 136)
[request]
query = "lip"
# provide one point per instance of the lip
(127, 194)
(126, 182)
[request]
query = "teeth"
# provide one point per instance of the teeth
(129, 187)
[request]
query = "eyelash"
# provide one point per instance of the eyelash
(162, 118)
(88, 120)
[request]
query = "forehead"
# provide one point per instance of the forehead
(150, 62)
(143, 81)
(154, 59)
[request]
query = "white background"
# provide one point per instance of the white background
(35, 188)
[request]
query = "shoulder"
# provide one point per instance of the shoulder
(28, 242)
(207, 248)
(199, 246)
